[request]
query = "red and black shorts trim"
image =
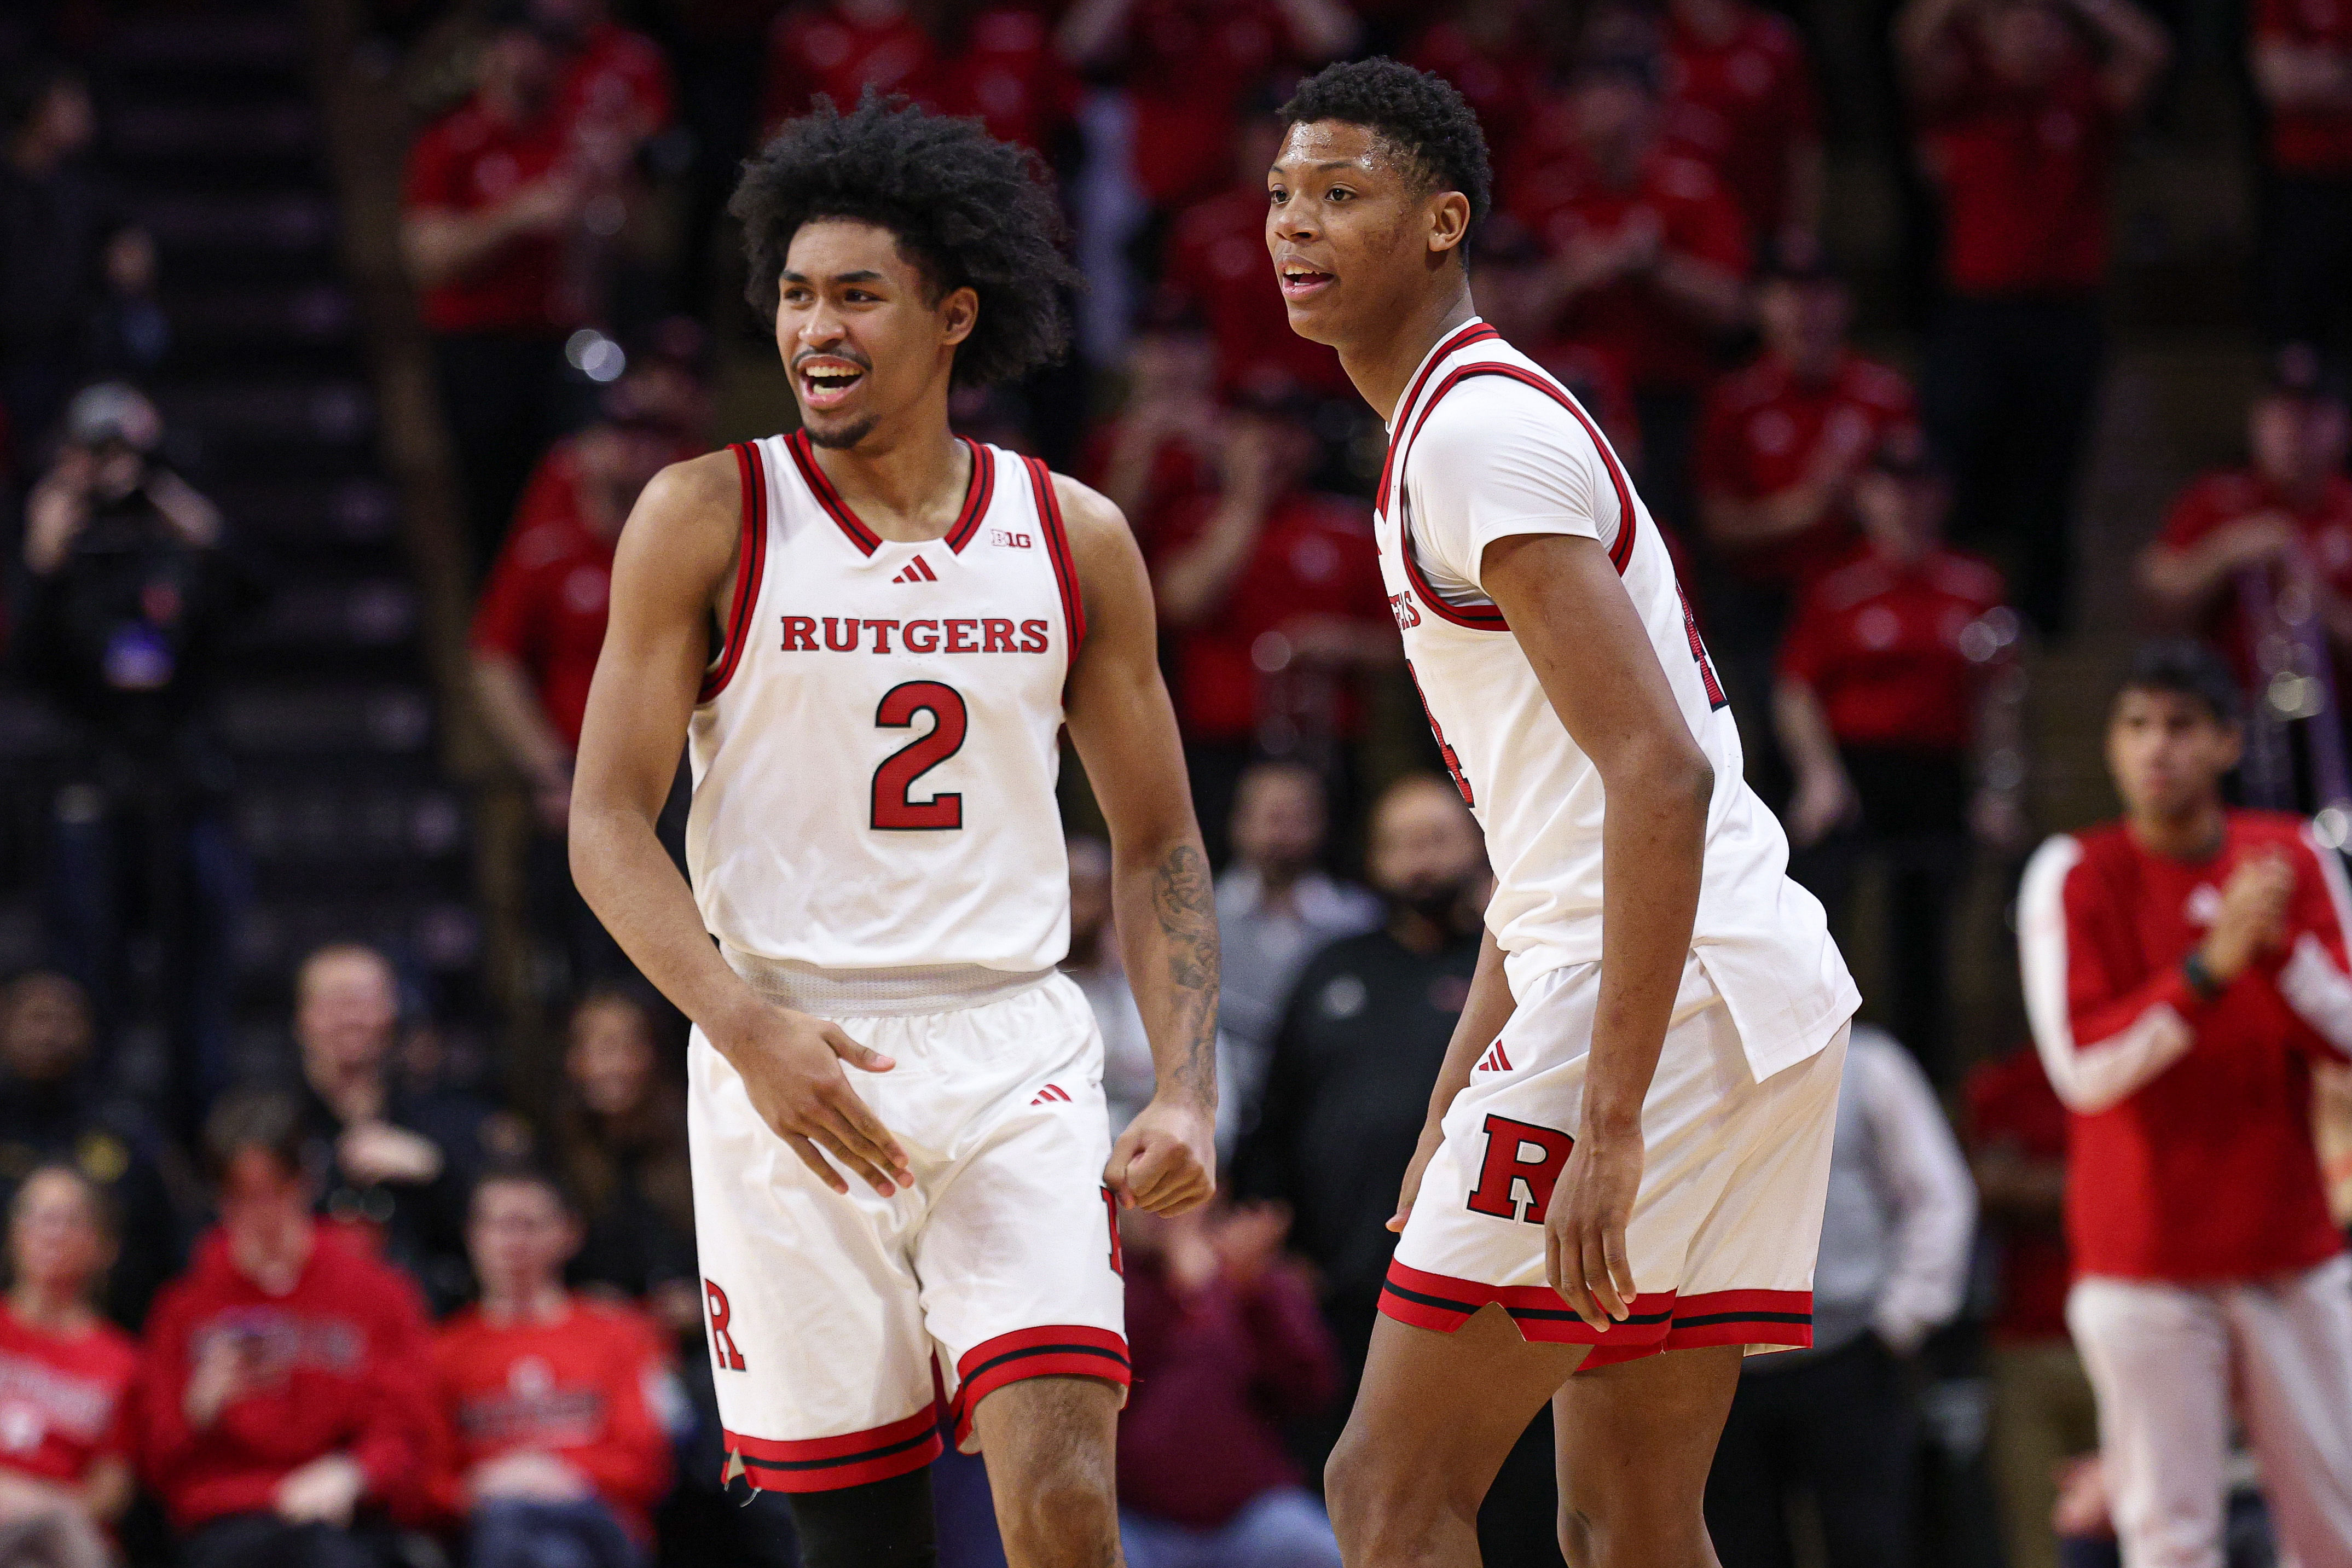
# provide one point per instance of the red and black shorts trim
(1659, 1322)
(827, 1464)
(1062, 1349)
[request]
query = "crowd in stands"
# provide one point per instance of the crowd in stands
(324, 1322)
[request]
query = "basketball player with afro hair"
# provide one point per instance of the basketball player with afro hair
(870, 634)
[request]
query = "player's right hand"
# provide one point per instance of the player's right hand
(1432, 1136)
(791, 1065)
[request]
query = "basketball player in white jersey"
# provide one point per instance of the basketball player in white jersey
(1620, 1189)
(869, 635)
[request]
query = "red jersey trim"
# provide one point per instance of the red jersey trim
(1057, 549)
(1476, 332)
(977, 494)
(977, 490)
(750, 560)
(848, 1459)
(1064, 1350)
(1659, 1322)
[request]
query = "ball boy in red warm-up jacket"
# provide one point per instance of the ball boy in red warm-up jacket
(556, 1402)
(2184, 967)
(286, 1408)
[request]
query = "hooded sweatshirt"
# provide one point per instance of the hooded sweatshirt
(346, 1367)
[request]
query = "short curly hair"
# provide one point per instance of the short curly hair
(1418, 113)
(970, 210)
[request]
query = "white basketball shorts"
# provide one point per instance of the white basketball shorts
(1728, 1221)
(841, 1326)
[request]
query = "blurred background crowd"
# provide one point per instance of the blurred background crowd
(1954, 342)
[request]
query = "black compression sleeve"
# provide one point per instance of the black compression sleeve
(882, 1524)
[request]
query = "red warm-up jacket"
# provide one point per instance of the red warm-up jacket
(345, 1364)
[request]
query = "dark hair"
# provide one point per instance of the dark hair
(523, 1173)
(1418, 113)
(265, 1119)
(2189, 669)
(972, 211)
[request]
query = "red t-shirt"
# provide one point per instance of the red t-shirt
(2304, 141)
(2024, 179)
(2205, 1171)
(1315, 559)
(1179, 473)
(1006, 73)
(2011, 1106)
(1760, 432)
(64, 1400)
(1561, 197)
(1887, 649)
(344, 1364)
(466, 160)
(2215, 500)
(1501, 82)
(1742, 106)
(1218, 265)
(815, 49)
(617, 77)
(587, 1388)
(545, 603)
(1186, 65)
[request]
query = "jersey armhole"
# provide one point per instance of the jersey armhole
(1057, 550)
(751, 558)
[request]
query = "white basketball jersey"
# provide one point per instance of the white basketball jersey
(875, 748)
(1486, 445)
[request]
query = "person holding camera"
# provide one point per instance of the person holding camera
(130, 593)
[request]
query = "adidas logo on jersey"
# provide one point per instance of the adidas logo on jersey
(1051, 1094)
(917, 570)
(1494, 1061)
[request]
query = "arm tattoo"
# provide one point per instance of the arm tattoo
(1185, 901)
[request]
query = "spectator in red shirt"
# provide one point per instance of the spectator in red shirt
(1216, 269)
(2042, 1412)
(540, 622)
(1780, 445)
(1741, 99)
(66, 1379)
(2247, 553)
(1228, 1346)
(994, 62)
(2184, 968)
(2021, 105)
(1494, 52)
(286, 1395)
(2300, 61)
(1649, 252)
(1161, 449)
(1273, 596)
(495, 192)
(1897, 668)
(556, 1402)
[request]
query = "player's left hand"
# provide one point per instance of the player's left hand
(1166, 1161)
(1584, 1232)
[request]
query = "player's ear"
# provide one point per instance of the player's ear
(1449, 222)
(958, 314)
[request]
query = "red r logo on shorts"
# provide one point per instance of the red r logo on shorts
(722, 1344)
(1506, 1168)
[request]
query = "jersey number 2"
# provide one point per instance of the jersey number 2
(896, 778)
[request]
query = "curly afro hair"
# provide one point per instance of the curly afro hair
(968, 209)
(1418, 113)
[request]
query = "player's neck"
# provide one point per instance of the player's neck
(2195, 834)
(1380, 368)
(906, 484)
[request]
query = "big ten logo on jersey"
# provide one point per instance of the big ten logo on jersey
(945, 634)
(1407, 613)
(1009, 539)
(723, 1354)
(1521, 1157)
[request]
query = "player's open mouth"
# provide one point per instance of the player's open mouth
(1301, 281)
(827, 382)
